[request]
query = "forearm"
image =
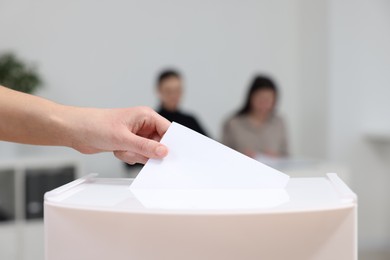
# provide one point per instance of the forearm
(131, 133)
(32, 120)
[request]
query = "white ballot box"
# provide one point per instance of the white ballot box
(100, 219)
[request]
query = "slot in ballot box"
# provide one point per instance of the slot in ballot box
(95, 219)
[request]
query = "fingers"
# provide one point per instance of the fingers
(142, 142)
(143, 150)
(162, 124)
(150, 147)
(147, 147)
(130, 157)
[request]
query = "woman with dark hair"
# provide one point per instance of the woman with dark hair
(256, 129)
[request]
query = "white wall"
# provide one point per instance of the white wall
(107, 54)
(314, 91)
(359, 103)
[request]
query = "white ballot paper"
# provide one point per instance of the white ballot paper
(199, 172)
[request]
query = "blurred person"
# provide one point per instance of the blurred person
(256, 129)
(170, 92)
(132, 134)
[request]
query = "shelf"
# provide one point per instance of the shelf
(23, 184)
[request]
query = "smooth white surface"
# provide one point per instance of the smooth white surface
(195, 161)
(317, 223)
(301, 194)
(206, 199)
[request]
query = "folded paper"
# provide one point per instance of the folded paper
(200, 173)
(195, 161)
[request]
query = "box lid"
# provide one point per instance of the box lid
(301, 194)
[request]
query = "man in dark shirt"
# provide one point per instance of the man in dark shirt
(170, 90)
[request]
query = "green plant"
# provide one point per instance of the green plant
(16, 75)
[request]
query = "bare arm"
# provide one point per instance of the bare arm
(131, 133)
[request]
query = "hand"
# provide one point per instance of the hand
(132, 134)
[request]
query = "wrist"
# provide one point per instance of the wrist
(77, 127)
(63, 119)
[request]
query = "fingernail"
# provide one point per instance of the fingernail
(161, 151)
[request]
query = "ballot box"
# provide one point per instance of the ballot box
(98, 219)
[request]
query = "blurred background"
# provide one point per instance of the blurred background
(330, 59)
